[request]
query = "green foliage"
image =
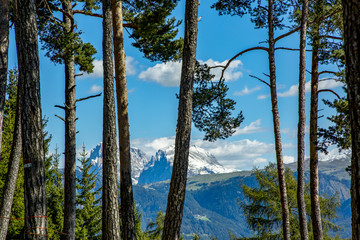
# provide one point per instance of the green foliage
(88, 207)
(61, 43)
(55, 195)
(153, 31)
(257, 10)
(262, 207)
(212, 111)
(16, 227)
(154, 229)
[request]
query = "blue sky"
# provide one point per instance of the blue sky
(152, 87)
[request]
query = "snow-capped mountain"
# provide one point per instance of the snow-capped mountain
(159, 167)
(200, 162)
(138, 161)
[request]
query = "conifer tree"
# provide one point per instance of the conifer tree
(88, 210)
(55, 195)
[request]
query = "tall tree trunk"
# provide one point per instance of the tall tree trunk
(176, 197)
(31, 121)
(13, 168)
(352, 57)
(126, 191)
(314, 161)
(276, 122)
(110, 207)
(4, 46)
(301, 126)
(70, 135)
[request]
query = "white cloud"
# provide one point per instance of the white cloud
(95, 88)
(130, 64)
(323, 84)
(168, 74)
(253, 127)
(247, 91)
(260, 97)
(288, 159)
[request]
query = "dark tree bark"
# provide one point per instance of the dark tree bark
(276, 122)
(4, 46)
(176, 197)
(13, 168)
(110, 207)
(31, 122)
(70, 135)
(314, 161)
(126, 190)
(352, 56)
(301, 126)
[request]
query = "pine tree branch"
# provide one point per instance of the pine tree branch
(260, 80)
(62, 107)
(86, 98)
(330, 72)
(87, 13)
(329, 90)
(290, 49)
(332, 37)
(60, 118)
(239, 54)
(68, 16)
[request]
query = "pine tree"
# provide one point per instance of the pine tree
(262, 206)
(88, 210)
(55, 195)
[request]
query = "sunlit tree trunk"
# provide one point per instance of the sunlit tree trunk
(176, 197)
(352, 55)
(110, 197)
(276, 122)
(70, 135)
(126, 191)
(13, 167)
(31, 122)
(314, 161)
(301, 126)
(4, 46)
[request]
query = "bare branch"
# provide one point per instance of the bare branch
(62, 107)
(329, 72)
(86, 98)
(260, 80)
(290, 49)
(87, 13)
(239, 54)
(68, 16)
(78, 75)
(329, 90)
(267, 75)
(60, 118)
(332, 37)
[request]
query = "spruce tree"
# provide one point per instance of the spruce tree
(88, 202)
(55, 195)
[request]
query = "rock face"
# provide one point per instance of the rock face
(159, 167)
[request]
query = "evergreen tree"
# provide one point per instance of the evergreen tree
(262, 206)
(88, 210)
(55, 195)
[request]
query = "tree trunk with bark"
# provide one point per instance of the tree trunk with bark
(31, 121)
(4, 46)
(301, 126)
(276, 122)
(176, 197)
(13, 168)
(70, 135)
(126, 191)
(314, 161)
(110, 207)
(352, 56)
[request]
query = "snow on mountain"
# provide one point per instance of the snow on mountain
(138, 161)
(159, 167)
(200, 162)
